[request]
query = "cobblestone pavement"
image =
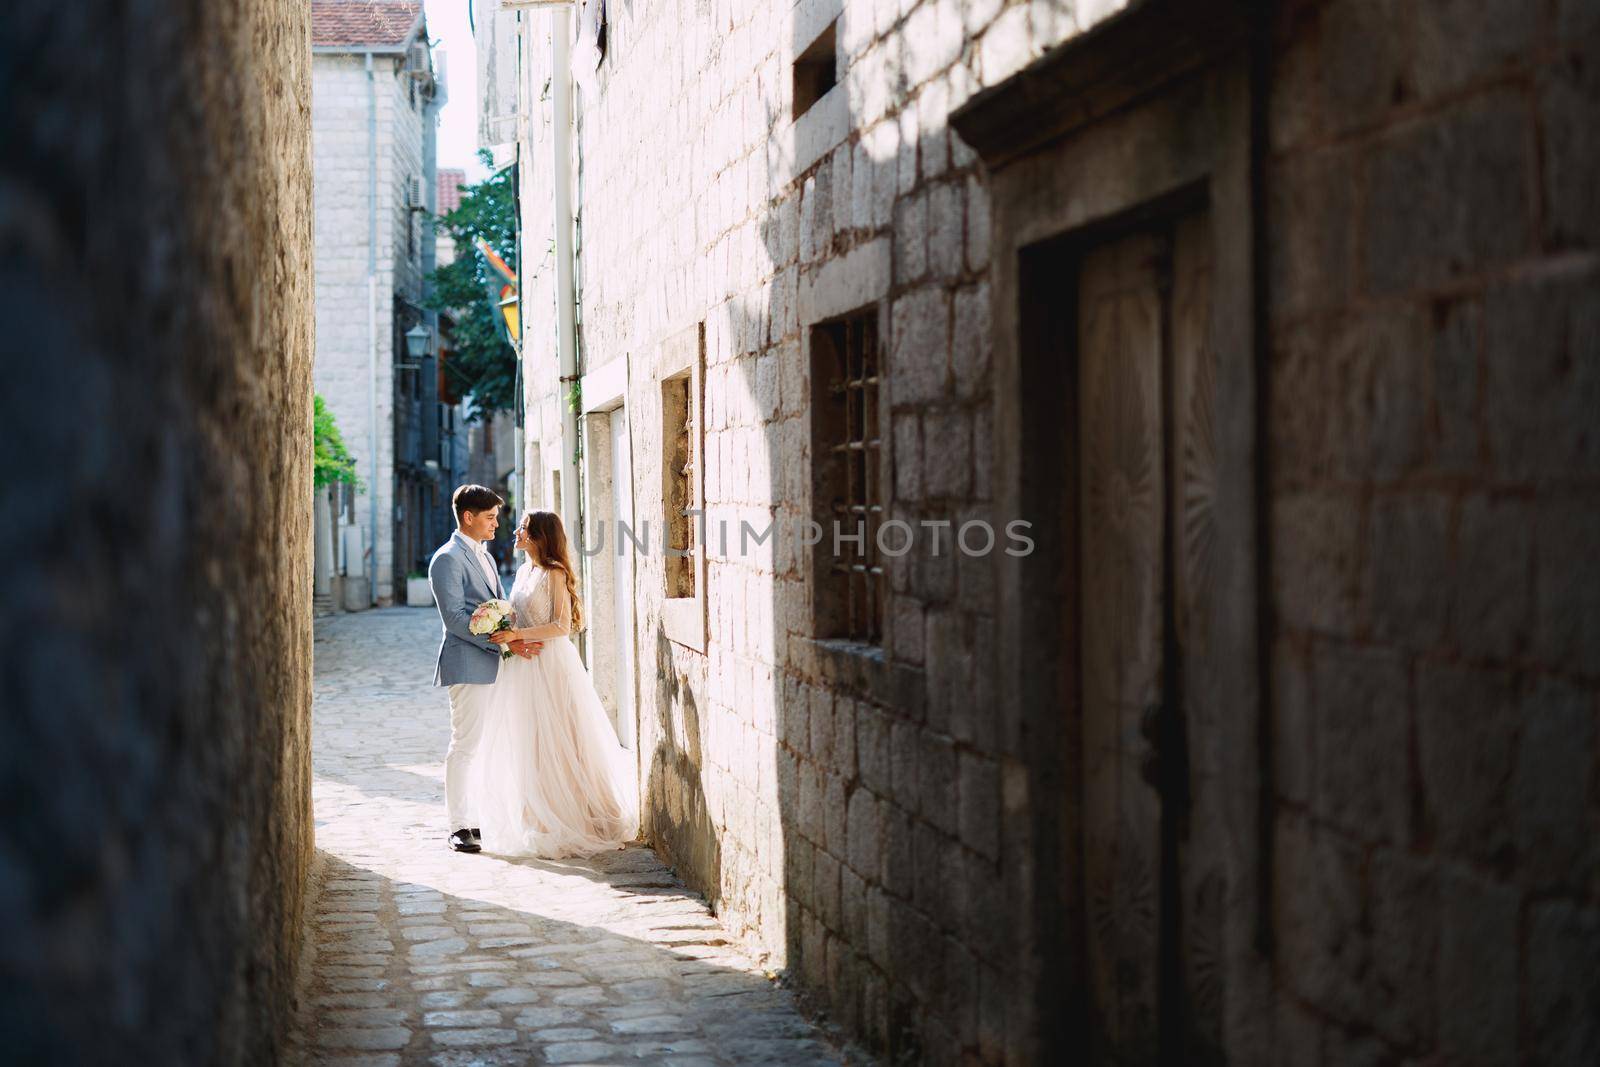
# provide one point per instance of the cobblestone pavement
(421, 955)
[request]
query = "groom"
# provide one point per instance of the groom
(463, 576)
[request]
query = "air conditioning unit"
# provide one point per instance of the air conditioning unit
(416, 194)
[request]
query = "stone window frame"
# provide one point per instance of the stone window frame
(825, 123)
(682, 357)
(847, 374)
(833, 289)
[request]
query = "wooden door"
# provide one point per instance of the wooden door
(1143, 359)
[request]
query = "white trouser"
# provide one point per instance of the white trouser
(468, 705)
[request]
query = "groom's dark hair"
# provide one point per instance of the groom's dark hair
(473, 498)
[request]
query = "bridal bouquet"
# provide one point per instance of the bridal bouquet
(492, 616)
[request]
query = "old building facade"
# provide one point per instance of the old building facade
(1277, 325)
(375, 104)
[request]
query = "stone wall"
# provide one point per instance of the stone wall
(842, 809)
(865, 818)
(1434, 465)
(156, 220)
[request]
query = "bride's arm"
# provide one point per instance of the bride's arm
(561, 626)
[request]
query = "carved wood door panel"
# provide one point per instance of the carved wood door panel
(1120, 346)
(1145, 485)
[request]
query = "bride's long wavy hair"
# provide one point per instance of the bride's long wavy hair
(549, 538)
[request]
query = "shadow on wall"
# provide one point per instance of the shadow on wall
(876, 900)
(675, 795)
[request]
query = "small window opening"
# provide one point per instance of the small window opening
(816, 71)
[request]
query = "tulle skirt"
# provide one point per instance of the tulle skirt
(550, 778)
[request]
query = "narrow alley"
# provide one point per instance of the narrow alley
(421, 955)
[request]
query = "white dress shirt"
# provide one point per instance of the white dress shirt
(484, 560)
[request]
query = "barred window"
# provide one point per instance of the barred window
(847, 489)
(678, 477)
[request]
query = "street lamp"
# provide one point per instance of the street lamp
(417, 341)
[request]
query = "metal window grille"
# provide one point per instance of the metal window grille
(852, 486)
(678, 407)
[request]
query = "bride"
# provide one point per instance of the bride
(550, 778)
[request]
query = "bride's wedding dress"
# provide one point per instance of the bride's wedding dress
(550, 778)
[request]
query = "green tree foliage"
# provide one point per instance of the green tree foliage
(331, 460)
(483, 369)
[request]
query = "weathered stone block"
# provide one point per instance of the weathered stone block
(980, 804)
(1569, 92)
(1319, 578)
(911, 237)
(1363, 769)
(1459, 42)
(872, 747)
(1311, 245)
(1567, 628)
(835, 800)
(1350, 399)
(907, 457)
(1563, 983)
(1477, 970)
(812, 820)
(919, 346)
(1493, 585)
(816, 213)
(821, 716)
(1317, 918)
(906, 629)
(946, 225)
(899, 863)
(1411, 568)
(969, 346)
(961, 992)
(794, 717)
(798, 867)
(905, 745)
(949, 669)
(947, 438)
(937, 782)
(825, 890)
(1551, 786)
(864, 840)
(917, 962)
(1447, 196)
(1405, 940)
(1365, 63)
(1455, 439)
(1466, 746)
(1543, 366)
(853, 907)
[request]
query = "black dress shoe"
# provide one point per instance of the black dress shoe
(477, 835)
(463, 841)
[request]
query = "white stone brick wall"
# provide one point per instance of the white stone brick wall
(342, 371)
(701, 200)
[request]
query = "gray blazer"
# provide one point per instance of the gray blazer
(459, 586)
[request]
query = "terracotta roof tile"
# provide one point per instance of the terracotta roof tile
(451, 179)
(362, 22)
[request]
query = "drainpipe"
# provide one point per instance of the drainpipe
(566, 315)
(438, 95)
(372, 327)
